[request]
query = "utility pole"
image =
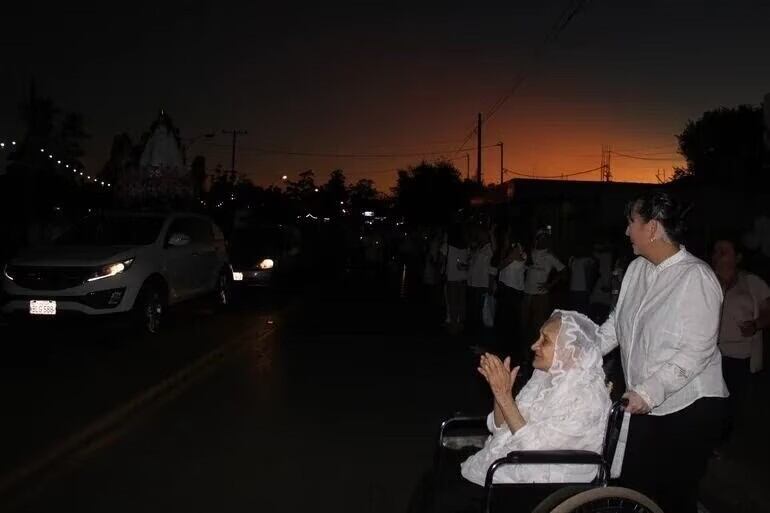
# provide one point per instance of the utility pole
(501, 161)
(605, 169)
(478, 151)
(235, 134)
(467, 166)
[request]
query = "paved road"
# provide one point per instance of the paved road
(56, 378)
(335, 411)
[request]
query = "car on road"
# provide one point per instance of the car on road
(265, 255)
(121, 262)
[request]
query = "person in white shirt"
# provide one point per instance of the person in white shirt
(455, 254)
(543, 272)
(666, 323)
(582, 275)
(480, 276)
(601, 298)
(510, 292)
(745, 313)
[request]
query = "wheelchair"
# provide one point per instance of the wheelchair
(600, 495)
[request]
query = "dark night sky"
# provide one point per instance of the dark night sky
(384, 79)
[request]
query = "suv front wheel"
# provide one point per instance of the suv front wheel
(149, 308)
(224, 290)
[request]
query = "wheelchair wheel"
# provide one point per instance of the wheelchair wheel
(611, 499)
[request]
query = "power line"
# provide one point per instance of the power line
(559, 26)
(273, 151)
(639, 157)
(559, 177)
(394, 169)
(467, 138)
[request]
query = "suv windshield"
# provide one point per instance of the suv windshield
(113, 231)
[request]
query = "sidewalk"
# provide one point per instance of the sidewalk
(739, 481)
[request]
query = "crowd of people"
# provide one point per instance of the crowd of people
(688, 333)
(497, 277)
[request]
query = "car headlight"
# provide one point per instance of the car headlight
(8, 273)
(109, 270)
(267, 263)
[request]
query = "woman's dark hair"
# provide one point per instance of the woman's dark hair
(733, 239)
(663, 208)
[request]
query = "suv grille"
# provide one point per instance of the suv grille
(49, 278)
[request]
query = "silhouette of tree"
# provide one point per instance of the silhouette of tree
(336, 188)
(122, 156)
(725, 146)
(38, 186)
(303, 189)
(364, 195)
(429, 192)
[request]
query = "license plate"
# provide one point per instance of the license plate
(37, 307)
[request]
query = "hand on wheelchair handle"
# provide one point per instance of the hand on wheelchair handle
(635, 404)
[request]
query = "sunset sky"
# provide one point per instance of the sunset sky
(377, 78)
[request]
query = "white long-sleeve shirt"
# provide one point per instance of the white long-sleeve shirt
(666, 322)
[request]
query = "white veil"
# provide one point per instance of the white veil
(565, 407)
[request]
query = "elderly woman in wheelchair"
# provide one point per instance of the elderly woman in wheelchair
(553, 431)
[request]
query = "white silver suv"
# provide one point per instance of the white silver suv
(121, 262)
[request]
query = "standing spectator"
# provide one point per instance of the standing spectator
(543, 272)
(666, 323)
(510, 292)
(601, 294)
(479, 281)
(582, 271)
(618, 271)
(745, 313)
(433, 269)
(455, 254)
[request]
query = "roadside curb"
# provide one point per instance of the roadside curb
(111, 420)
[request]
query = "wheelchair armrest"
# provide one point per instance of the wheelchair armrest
(464, 421)
(556, 457)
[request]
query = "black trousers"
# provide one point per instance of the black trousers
(474, 322)
(666, 456)
(737, 373)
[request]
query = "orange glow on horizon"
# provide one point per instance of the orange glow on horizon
(545, 135)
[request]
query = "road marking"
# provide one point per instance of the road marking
(103, 425)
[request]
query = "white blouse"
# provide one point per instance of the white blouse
(666, 322)
(742, 303)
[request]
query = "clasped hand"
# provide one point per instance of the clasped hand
(499, 375)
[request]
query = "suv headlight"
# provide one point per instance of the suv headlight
(267, 263)
(7, 272)
(109, 270)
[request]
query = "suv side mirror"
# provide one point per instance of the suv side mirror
(179, 239)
